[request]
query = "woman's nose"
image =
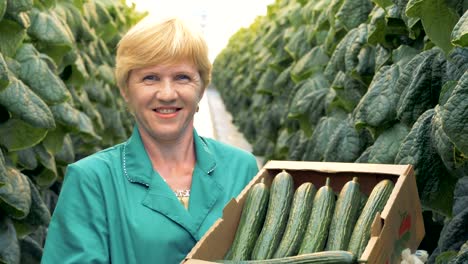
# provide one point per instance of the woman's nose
(166, 91)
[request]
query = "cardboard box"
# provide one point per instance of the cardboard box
(400, 225)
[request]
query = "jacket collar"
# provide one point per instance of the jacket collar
(205, 190)
(137, 166)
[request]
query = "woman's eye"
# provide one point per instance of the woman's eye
(183, 77)
(150, 78)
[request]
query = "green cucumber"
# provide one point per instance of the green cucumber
(297, 223)
(324, 257)
(322, 212)
(375, 203)
(251, 222)
(279, 204)
(344, 216)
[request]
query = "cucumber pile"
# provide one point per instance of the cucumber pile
(306, 225)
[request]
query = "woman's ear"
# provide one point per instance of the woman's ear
(123, 93)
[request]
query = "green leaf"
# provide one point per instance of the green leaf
(437, 18)
(357, 43)
(265, 84)
(47, 28)
(9, 247)
(308, 103)
(15, 195)
(387, 144)
(455, 116)
(421, 84)
(457, 64)
(460, 32)
(337, 60)
(54, 139)
(353, 13)
(39, 77)
(39, 214)
(435, 186)
(31, 251)
(383, 3)
(346, 143)
(296, 46)
(76, 120)
(48, 175)
(348, 91)
(17, 6)
(82, 102)
(378, 106)
(106, 73)
(4, 75)
(27, 159)
(3, 170)
(26, 105)
(457, 165)
(12, 37)
(314, 61)
(66, 155)
(16, 134)
(3, 6)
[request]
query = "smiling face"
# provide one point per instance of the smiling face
(164, 99)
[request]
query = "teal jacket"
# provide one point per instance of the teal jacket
(113, 207)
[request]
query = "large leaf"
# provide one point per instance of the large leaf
(337, 60)
(421, 83)
(346, 144)
(378, 106)
(46, 27)
(315, 60)
(435, 185)
(9, 247)
(15, 195)
(455, 115)
(321, 137)
(353, 13)
(357, 42)
(3, 170)
(54, 36)
(31, 251)
(47, 176)
(39, 77)
(26, 159)
(454, 233)
(16, 134)
(386, 146)
(4, 75)
(457, 64)
(17, 6)
(265, 84)
(460, 32)
(39, 214)
(308, 104)
(78, 25)
(348, 91)
(3, 6)
(76, 120)
(26, 105)
(297, 46)
(437, 18)
(82, 102)
(456, 163)
(12, 36)
(66, 154)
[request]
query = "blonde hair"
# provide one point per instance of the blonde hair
(162, 42)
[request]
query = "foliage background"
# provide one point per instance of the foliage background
(381, 81)
(58, 103)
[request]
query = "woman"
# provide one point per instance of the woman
(151, 198)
